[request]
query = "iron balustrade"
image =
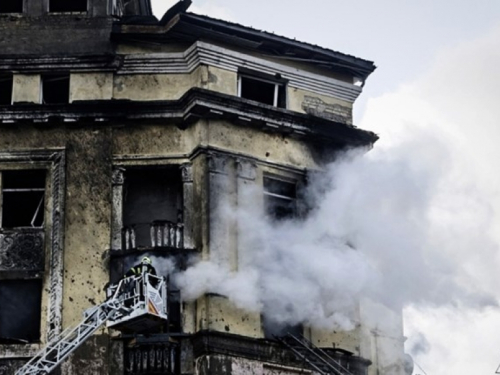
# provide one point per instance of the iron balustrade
(162, 233)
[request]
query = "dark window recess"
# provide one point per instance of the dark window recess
(55, 89)
(11, 6)
(20, 302)
(68, 6)
(273, 329)
(23, 194)
(5, 89)
(263, 91)
(280, 198)
(151, 195)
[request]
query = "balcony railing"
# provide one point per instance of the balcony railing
(152, 359)
(22, 249)
(161, 234)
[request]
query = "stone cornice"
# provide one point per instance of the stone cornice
(195, 104)
(212, 55)
(40, 64)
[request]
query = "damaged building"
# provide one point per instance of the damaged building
(121, 135)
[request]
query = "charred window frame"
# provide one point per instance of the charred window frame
(6, 87)
(280, 197)
(282, 201)
(22, 206)
(11, 6)
(68, 6)
(55, 88)
(262, 88)
(152, 208)
(23, 197)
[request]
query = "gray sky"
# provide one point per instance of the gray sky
(437, 83)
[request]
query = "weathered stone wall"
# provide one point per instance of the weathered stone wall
(55, 34)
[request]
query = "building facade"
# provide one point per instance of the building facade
(122, 135)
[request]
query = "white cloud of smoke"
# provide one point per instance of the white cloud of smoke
(421, 213)
(375, 229)
(410, 222)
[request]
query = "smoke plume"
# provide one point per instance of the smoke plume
(381, 225)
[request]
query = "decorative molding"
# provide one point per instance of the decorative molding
(57, 245)
(37, 64)
(246, 169)
(204, 53)
(22, 250)
(334, 112)
(187, 172)
(118, 177)
(217, 163)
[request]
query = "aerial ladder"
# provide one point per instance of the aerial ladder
(135, 304)
(317, 359)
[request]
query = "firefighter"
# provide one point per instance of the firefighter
(145, 265)
(137, 271)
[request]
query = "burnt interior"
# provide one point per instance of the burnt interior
(151, 195)
(20, 302)
(23, 198)
(55, 89)
(262, 91)
(280, 202)
(11, 6)
(68, 6)
(5, 88)
(280, 198)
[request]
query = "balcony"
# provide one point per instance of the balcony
(160, 240)
(159, 358)
(161, 234)
(22, 249)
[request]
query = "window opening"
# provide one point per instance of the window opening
(55, 89)
(11, 6)
(68, 6)
(23, 195)
(152, 208)
(280, 198)
(6, 90)
(262, 90)
(21, 302)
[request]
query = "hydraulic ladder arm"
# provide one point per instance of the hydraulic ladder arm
(129, 296)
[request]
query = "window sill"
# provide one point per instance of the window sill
(79, 13)
(19, 350)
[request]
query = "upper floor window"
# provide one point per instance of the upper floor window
(262, 88)
(55, 88)
(280, 198)
(6, 89)
(23, 195)
(68, 5)
(11, 6)
(152, 208)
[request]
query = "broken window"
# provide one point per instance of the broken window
(20, 309)
(152, 208)
(21, 254)
(23, 195)
(6, 89)
(55, 89)
(262, 89)
(11, 6)
(67, 5)
(280, 198)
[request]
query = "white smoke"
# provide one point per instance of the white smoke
(383, 224)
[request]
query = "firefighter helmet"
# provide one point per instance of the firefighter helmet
(146, 260)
